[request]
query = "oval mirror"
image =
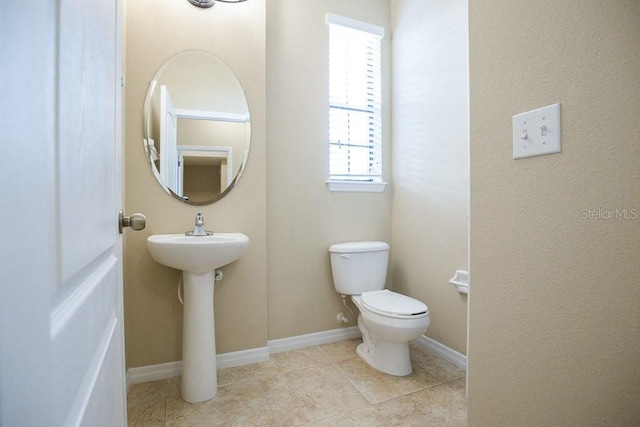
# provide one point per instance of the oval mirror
(197, 127)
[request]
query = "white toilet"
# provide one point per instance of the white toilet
(388, 320)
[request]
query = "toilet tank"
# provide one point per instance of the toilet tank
(359, 267)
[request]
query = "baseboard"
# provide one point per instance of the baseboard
(309, 340)
(255, 355)
(148, 373)
(450, 355)
(163, 371)
(243, 357)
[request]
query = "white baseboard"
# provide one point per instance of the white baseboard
(309, 340)
(163, 371)
(242, 357)
(148, 373)
(432, 346)
(261, 354)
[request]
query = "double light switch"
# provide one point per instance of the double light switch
(537, 132)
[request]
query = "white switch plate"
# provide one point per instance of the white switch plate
(537, 132)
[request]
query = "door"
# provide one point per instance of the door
(169, 142)
(61, 322)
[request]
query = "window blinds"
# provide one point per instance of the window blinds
(355, 106)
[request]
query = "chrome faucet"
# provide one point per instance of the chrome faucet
(199, 230)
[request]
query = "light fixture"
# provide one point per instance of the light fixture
(209, 3)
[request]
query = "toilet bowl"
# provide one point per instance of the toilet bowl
(387, 334)
(388, 320)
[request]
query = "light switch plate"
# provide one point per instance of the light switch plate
(537, 132)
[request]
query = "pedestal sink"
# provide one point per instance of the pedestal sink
(198, 257)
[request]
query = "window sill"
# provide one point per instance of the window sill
(356, 187)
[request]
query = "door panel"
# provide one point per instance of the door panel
(86, 327)
(61, 323)
(82, 330)
(86, 131)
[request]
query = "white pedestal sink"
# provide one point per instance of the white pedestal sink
(198, 257)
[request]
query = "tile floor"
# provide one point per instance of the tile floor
(325, 385)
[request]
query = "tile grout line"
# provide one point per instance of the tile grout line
(166, 402)
(264, 396)
(438, 384)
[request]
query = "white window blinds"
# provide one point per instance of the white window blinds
(355, 106)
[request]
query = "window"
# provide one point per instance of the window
(355, 105)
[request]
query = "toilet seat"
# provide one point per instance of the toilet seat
(391, 304)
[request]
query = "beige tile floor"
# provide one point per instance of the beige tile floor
(325, 385)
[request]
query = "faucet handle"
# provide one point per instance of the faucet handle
(199, 230)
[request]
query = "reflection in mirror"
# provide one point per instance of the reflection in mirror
(197, 127)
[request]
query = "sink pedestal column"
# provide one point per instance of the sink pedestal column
(199, 376)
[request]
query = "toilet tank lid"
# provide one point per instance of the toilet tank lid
(350, 247)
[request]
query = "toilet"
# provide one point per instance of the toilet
(388, 320)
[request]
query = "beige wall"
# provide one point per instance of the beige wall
(157, 30)
(554, 319)
(303, 217)
(430, 160)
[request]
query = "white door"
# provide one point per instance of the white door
(61, 323)
(179, 190)
(169, 142)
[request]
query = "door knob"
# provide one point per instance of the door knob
(137, 221)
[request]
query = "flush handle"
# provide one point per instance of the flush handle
(137, 221)
(347, 256)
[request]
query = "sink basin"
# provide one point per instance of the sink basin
(197, 254)
(198, 257)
